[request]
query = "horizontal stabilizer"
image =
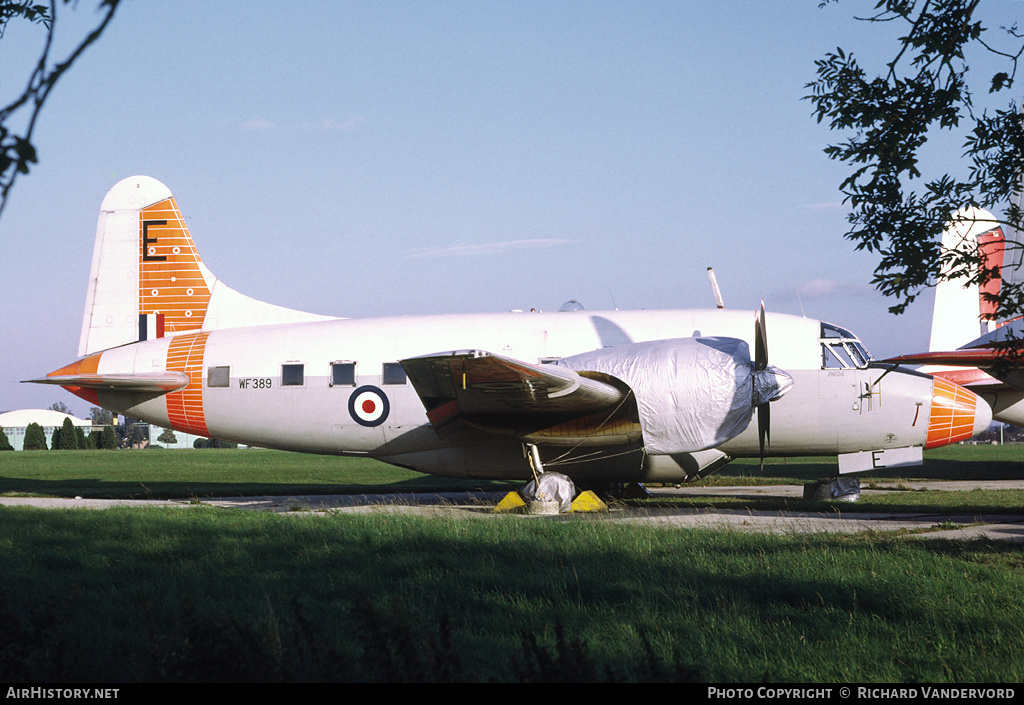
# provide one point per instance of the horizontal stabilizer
(159, 383)
(1003, 362)
(970, 357)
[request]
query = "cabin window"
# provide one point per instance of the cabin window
(219, 376)
(343, 374)
(293, 375)
(393, 373)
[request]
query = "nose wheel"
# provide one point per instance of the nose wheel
(833, 489)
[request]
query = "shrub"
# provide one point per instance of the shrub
(35, 439)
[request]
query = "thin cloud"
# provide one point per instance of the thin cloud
(825, 288)
(489, 248)
(332, 125)
(823, 207)
(328, 124)
(257, 125)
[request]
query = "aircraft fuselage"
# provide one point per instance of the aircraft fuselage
(336, 387)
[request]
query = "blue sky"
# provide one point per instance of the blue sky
(380, 158)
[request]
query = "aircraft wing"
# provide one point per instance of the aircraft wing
(973, 357)
(160, 383)
(474, 383)
(983, 368)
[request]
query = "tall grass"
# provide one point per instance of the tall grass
(209, 595)
(212, 473)
(205, 473)
(198, 594)
(954, 462)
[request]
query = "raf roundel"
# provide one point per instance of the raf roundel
(369, 406)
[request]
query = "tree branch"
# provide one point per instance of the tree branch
(17, 151)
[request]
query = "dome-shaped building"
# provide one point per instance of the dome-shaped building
(14, 423)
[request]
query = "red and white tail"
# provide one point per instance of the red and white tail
(148, 281)
(961, 312)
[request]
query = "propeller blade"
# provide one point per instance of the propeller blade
(760, 341)
(764, 423)
(764, 419)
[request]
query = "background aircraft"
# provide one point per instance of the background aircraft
(610, 396)
(969, 345)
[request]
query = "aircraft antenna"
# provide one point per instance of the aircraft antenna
(714, 288)
(612, 297)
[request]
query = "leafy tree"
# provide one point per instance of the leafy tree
(100, 417)
(35, 439)
(5, 442)
(16, 149)
(167, 437)
(84, 441)
(896, 211)
(108, 439)
(137, 434)
(68, 436)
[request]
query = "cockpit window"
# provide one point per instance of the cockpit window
(830, 331)
(841, 350)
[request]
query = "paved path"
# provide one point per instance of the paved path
(1002, 527)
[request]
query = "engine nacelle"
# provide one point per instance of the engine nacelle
(691, 393)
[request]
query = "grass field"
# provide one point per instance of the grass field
(202, 594)
(219, 473)
(161, 474)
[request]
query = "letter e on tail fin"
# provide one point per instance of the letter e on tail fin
(148, 281)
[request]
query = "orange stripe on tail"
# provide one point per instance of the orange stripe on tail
(185, 407)
(170, 281)
(991, 248)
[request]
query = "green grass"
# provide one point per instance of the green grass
(203, 594)
(205, 473)
(219, 473)
(956, 462)
(224, 473)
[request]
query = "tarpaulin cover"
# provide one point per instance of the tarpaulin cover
(553, 487)
(691, 393)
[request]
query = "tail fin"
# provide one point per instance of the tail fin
(961, 312)
(148, 281)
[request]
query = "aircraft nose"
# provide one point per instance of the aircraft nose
(956, 415)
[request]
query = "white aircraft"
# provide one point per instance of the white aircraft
(968, 344)
(612, 396)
